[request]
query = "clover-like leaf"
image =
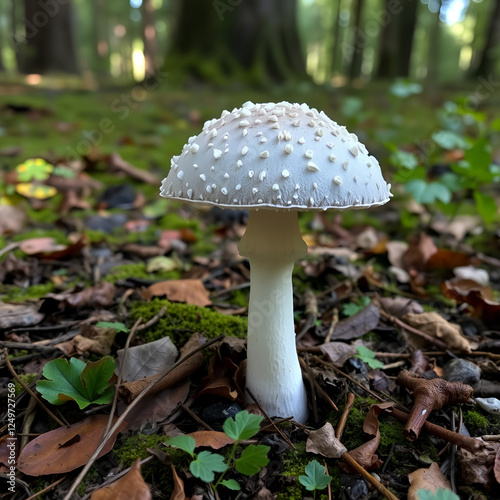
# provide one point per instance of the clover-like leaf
(206, 464)
(243, 426)
(186, 443)
(34, 169)
(316, 477)
(231, 484)
(119, 327)
(252, 459)
(440, 494)
(368, 356)
(37, 191)
(84, 383)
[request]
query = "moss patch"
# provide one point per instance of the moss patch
(27, 379)
(182, 320)
(33, 293)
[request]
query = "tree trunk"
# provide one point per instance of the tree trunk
(491, 50)
(433, 49)
(254, 41)
(336, 63)
(49, 37)
(100, 38)
(388, 50)
(408, 21)
(357, 43)
(149, 36)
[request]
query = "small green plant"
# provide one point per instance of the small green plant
(316, 478)
(352, 308)
(205, 464)
(119, 327)
(440, 494)
(368, 356)
(74, 380)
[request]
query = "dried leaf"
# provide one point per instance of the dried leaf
(357, 325)
(131, 486)
(66, 448)
(178, 493)
(93, 339)
(147, 359)
(430, 479)
(12, 219)
(496, 467)
(101, 295)
(395, 252)
(323, 442)
(447, 259)
(435, 325)
(478, 467)
(211, 439)
(190, 291)
(421, 248)
(338, 352)
(34, 246)
(14, 315)
(479, 297)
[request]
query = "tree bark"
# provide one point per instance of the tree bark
(433, 49)
(388, 49)
(408, 21)
(149, 36)
(357, 43)
(336, 63)
(490, 52)
(255, 41)
(49, 37)
(100, 38)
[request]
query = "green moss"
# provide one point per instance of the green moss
(130, 448)
(59, 236)
(477, 423)
(27, 378)
(181, 320)
(92, 476)
(175, 221)
(33, 293)
(139, 271)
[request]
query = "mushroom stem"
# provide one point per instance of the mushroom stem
(272, 243)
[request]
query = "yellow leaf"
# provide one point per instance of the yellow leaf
(39, 192)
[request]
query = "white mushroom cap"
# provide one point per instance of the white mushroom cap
(282, 156)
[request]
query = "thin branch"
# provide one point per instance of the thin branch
(343, 418)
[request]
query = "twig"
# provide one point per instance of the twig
(131, 334)
(343, 418)
(317, 385)
(47, 488)
(264, 412)
(153, 320)
(8, 248)
(129, 408)
(196, 417)
(329, 487)
(402, 324)
(368, 477)
(313, 392)
(333, 323)
(29, 391)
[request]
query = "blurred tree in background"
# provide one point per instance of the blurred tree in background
(258, 41)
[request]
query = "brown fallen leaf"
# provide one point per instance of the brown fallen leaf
(480, 297)
(211, 439)
(190, 291)
(178, 493)
(365, 454)
(12, 219)
(101, 295)
(338, 352)
(496, 467)
(66, 448)
(14, 315)
(357, 325)
(131, 486)
(92, 339)
(447, 259)
(435, 325)
(419, 251)
(430, 479)
(323, 442)
(478, 467)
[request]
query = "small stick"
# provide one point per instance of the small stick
(368, 477)
(195, 417)
(335, 320)
(264, 412)
(405, 326)
(318, 387)
(275, 422)
(153, 320)
(329, 485)
(129, 408)
(343, 418)
(29, 391)
(47, 488)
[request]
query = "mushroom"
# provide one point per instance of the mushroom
(275, 160)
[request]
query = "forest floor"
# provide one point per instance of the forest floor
(95, 267)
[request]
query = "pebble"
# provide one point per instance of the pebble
(461, 370)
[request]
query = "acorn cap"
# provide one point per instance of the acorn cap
(281, 156)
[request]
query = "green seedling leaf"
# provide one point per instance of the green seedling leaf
(403, 159)
(206, 464)
(368, 356)
(353, 308)
(486, 206)
(252, 459)
(479, 156)
(243, 426)
(428, 192)
(447, 139)
(405, 88)
(315, 478)
(84, 383)
(440, 494)
(34, 169)
(65, 172)
(185, 443)
(119, 327)
(231, 484)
